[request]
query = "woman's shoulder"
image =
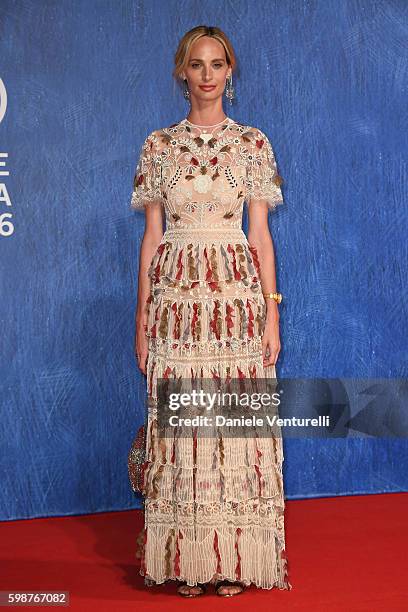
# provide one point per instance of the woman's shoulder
(162, 136)
(250, 132)
(255, 130)
(155, 140)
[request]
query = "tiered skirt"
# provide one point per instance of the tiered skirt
(212, 505)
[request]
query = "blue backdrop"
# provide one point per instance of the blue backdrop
(86, 82)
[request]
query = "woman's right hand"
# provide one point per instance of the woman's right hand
(141, 346)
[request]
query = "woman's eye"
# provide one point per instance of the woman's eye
(218, 65)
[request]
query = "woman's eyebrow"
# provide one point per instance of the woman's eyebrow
(217, 59)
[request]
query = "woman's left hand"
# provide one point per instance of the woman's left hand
(271, 345)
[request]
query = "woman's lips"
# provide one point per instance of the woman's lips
(207, 87)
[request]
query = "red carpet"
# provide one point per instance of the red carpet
(345, 553)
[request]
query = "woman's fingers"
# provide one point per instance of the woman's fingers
(270, 352)
(142, 349)
(142, 362)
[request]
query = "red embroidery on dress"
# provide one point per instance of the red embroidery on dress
(256, 260)
(237, 275)
(194, 320)
(213, 322)
(238, 566)
(216, 375)
(217, 551)
(177, 555)
(156, 274)
(258, 471)
(153, 330)
(214, 286)
(242, 379)
(167, 372)
(241, 375)
(209, 273)
(177, 321)
(179, 265)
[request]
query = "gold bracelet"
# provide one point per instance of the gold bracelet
(274, 296)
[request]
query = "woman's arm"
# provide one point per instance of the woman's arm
(151, 239)
(260, 237)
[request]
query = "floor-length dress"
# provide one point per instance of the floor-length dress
(213, 506)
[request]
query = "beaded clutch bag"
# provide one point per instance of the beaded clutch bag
(137, 461)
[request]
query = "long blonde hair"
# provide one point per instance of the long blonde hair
(185, 44)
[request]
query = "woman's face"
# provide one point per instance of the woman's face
(207, 66)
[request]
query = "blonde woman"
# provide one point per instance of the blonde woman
(208, 308)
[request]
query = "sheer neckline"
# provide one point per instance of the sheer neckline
(226, 120)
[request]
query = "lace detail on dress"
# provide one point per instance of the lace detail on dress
(206, 177)
(147, 179)
(263, 180)
(223, 514)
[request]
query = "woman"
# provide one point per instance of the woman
(214, 508)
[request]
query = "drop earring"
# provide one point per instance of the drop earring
(229, 90)
(186, 91)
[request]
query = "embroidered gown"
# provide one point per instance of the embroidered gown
(211, 506)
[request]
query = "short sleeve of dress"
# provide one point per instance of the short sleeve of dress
(148, 176)
(262, 178)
